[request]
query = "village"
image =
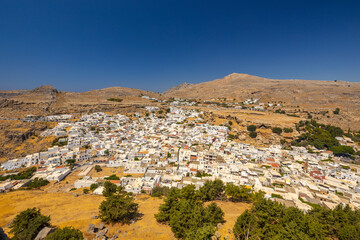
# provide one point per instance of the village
(176, 148)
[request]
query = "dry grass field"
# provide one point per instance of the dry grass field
(67, 210)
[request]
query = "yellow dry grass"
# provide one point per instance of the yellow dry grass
(67, 210)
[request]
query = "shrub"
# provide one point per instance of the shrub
(86, 191)
(251, 128)
(27, 224)
(97, 168)
(118, 208)
(94, 186)
(288, 130)
(109, 189)
(66, 233)
(277, 130)
(37, 183)
(253, 134)
(336, 111)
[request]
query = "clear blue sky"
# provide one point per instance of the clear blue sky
(154, 45)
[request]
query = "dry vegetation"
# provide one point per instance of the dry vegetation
(21, 138)
(67, 210)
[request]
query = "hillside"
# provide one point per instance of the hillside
(309, 95)
(47, 100)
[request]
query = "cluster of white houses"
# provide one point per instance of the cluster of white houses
(175, 150)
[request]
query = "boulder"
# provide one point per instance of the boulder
(91, 228)
(44, 232)
(101, 226)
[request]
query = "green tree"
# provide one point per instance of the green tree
(211, 190)
(251, 128)
(86, 191)
(238, 193)
(94, 186)
(27, 224)
(253, 134)
(118, 208)
(109, 189)
(66, 233)
(97, 168)
(277, 130)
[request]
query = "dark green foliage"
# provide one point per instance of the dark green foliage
(97, 168)
(86, 191)
(270, 220)
(277, 130)
(288, 130)
(109, 189)
(66, 233)
(37, 183)
(118, 208)
(187, 216)
(115, 99)
(159, 191)
(211, 190)
(28, 224)
(253, 134)
(112, 177)
(26, 174)
(336, 111)
(342, 150)
(70, 161)
(238, 193)
(318, 135)
(94, 186)
(251, 128)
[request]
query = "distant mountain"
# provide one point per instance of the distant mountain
(48, 100)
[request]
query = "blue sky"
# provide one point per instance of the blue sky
(154, 45)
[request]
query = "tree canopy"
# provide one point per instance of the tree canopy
(118, 208)
(28, 224)
(66, 233)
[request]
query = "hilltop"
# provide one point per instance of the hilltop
(314, 96)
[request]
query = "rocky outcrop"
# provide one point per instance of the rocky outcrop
(44, 232)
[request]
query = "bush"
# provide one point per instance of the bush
(271, 220)
(159, 191)
(27, 224)
(94, 186)
(109, 189)
(277, 130)
(342, 150)
(253, 134)
(211, 190)
(238, 193)
(112, 177)
(187, 216)
(86, 191)
(118, 208)
(115, 99)
(288, 130)
(66, 233)
(336, 111)
(97, 168)
(37, 183)
(251, 128)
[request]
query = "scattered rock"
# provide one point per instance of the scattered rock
(118, 231)
(44, 232)
(217, 234)
(219, 226)
(227, 237)
(94, 217)
(75, 195)
(101, 226)
(229, 230)
(91, 228)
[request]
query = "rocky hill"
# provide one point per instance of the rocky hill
(315, 97)
(46, 100)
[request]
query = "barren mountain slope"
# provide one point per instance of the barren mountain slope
(305, 94)
(47, 100)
